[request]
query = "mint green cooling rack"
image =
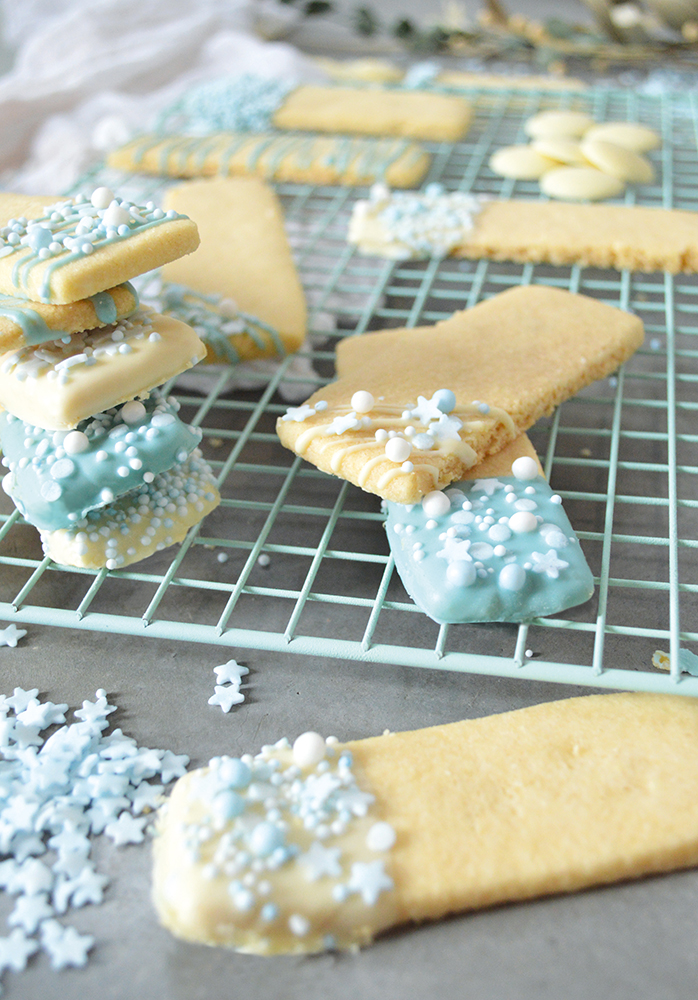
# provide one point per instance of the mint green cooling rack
(297, 561)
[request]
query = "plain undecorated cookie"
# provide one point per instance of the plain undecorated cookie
(23, 322)
(521, 163)
(618, 161)
(294, 158)
(418, 825)
(580, 184)
(467, 387)
(244, 256)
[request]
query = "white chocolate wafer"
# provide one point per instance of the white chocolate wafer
(620, 236)
(296, 158)
(562, 150)
(56, 385)
(521, 163)
(23, 322)
(244, 256)
(418, 825)
(412, 410)
(558, 124)
(580, 184)
(148, 519)
(62, 251)
(617, 161)
(639, 138)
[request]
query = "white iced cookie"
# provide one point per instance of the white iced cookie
(580, 184)
(154, 516)
(521, 163)
(618, 161)
(638, 138)
(58, 384)
(282, 853)
(558, 124)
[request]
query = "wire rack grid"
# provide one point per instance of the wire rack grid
(295, 560)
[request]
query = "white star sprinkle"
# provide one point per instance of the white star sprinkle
(369, 879)
(488, 486)
(64, 945)
(230, 673)
(11, 635)
(226, 696)
(298, 413)
(548, 563)
(15, 950)
(126, 829)
(455, 550)
(320, 860)
(446, 428)
(340, 424)
(29, 911)
(42, 715)
(21, 698)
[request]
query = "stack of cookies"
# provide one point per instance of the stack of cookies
(98, 458)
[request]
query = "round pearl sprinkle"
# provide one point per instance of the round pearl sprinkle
(265, 839)
(524, 468)
(397, 449)
(523, 521)
(444, 400)
(435, 504)
(308, 749)
(132, 411)
(102, 197)
(380, 837)
(461, 573)
(75, 441)
(512, 577)
(362, 401)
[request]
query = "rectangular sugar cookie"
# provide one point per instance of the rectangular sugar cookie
(414, 826)
(295, 158)
(244, 258)
(60, 251)
(57, 385)
(618, 236)
(466, 387)
(407, 114)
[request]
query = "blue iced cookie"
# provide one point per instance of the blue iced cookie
(55, 477)
(488, 550)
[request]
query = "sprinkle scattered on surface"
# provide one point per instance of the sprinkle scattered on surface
(11, 635)
(227, 691)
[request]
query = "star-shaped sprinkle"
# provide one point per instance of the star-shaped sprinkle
(548, 563)
(230, 673)
(86, 887)
(11, 635)
(320, 860)
(42, 715)
(21, 698)
(15, 950)
(488, 486)
(455, 550)
(146, 796)
(64, 945)
(31, 877)
(29, 911)
(126, 829)
(172, 766)
(425, 410)
(298, 413)
(340, 424)
(369, 879)
(356, 801)
(446, 428)
(95, 711)
(226, 696)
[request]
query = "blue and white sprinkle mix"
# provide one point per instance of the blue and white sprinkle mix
(243, 103)
(56, 793)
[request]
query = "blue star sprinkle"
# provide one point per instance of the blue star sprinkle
(11, 635)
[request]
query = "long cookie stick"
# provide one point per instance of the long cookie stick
(349, 840)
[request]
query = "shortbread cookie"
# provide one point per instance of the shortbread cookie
(405, 114)
(56, 477)
(412, 410)
(495, 547)
(620, 236)
(324, 845)
(150, 518)
(295, 158)
(498, 81)
(57, 385)
(63, 251)
(26, 323)
(366, 70)
(244, 260)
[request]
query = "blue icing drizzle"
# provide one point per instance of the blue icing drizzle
(105, 307)
(56, 477)
(243, 103)
(489, 550)
(34, 327)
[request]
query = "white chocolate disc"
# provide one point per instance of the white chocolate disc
(520, 163)
(638, 138)
(558, 124)
(580, 184)
(563, 150)
(618, 161)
